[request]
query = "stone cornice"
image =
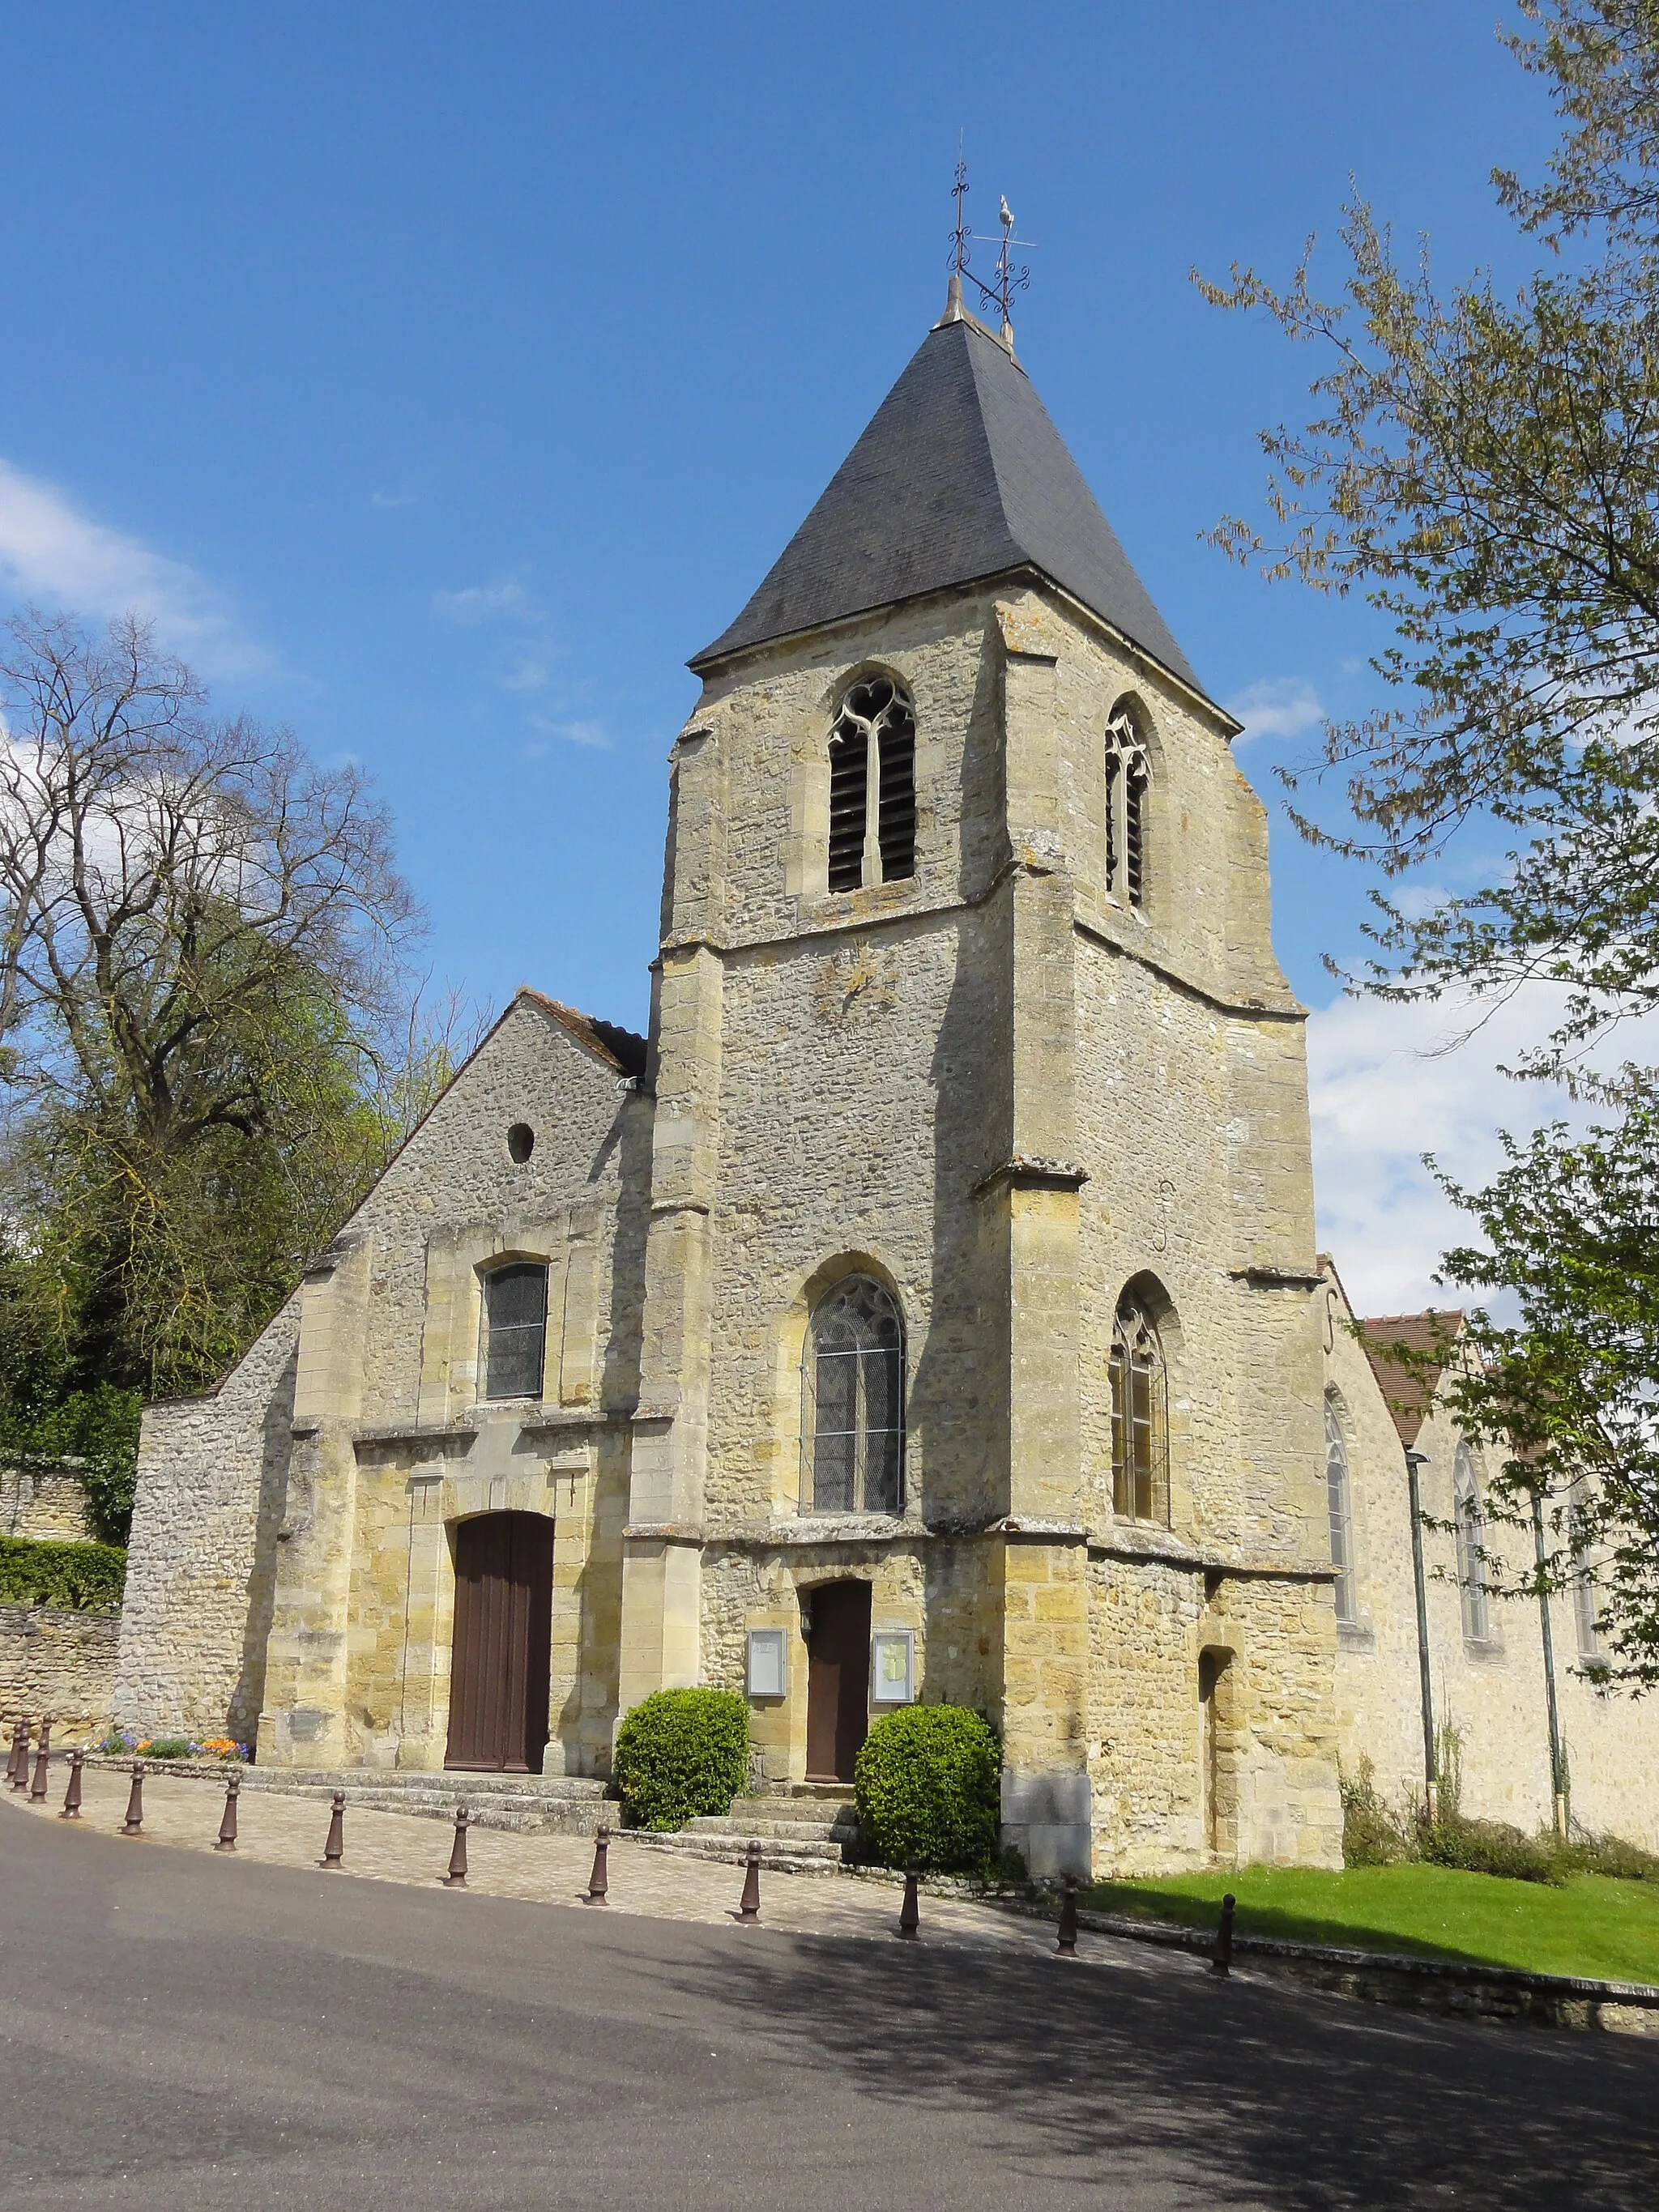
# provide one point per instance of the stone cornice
(1031, 1171)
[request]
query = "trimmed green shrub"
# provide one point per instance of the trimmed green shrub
(1371, 1836)
(72, 1577)
(682, 1754)
(929, 1787)
(1489, 1847)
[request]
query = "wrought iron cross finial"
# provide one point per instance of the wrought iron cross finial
(959, 248)
(1010, 277)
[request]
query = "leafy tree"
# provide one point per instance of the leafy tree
(1570, 1393)
(1482, 468)
(207, 1045)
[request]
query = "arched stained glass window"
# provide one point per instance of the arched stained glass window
(853, 1410)
(872, 749)
(1126, 807)
(1140, 1452)
(1339, 1500)
(1471, 1547)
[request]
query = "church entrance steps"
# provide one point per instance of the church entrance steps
(522, 1804)
(782, 1854)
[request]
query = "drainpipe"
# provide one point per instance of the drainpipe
(1413, 1461)
(1557, 1770)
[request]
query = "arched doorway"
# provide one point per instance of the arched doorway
(837, 1679)
(498, 1682)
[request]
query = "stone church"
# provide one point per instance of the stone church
(927, 1308)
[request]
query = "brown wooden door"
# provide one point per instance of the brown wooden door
(837, 1680)
(498, 1684)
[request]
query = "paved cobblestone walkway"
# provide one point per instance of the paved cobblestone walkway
(401, 1847)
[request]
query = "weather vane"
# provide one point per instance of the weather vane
(1011, 277)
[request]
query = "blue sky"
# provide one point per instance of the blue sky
(442, 378)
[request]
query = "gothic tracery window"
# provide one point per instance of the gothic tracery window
(1471, 1547)
(872, 750)
(853, 1409)
(515, 1330)
(1126, 807)
(1340, 1502)
(1141, 1451)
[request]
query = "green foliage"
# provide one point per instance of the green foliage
(1371, 1836)
(1483, 467)
(169, 1747)
(682, 1754)
(1565, 1392)
(1611, 1856)
(1488, 1847)
(928, 1784)
(72, 1577)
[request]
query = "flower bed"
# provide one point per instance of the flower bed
(122, 1743)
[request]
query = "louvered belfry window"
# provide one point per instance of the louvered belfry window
(1141, 1450)
(515, 1331)
(853, 1401)
(1126, 808)
(872, 750)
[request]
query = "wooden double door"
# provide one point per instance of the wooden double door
(837, 1680)
(499, 1674)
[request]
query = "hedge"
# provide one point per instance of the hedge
(928, 1784)
(72, 1577)
(680, 1754)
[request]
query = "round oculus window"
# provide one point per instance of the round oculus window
(521, 1143)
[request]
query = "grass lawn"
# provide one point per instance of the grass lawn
(1603, 1930)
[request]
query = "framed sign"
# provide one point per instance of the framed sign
(766, 1677)
(894, 1671)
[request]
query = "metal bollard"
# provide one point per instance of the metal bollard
(910, 1911)
(598, 1881)
(19, 1738)
(19, 1773)
(72, 1795)
(135, 1819)
(42, 1765)
(1222, 1962)
(456, 1878)
(749, 1906)
(1067, 1947)
(228, 1826)
(334, 1849)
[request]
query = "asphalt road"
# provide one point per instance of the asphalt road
(180, 2031)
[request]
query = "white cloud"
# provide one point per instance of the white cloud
(576, 734)
(526, 676)
(484, 603)
(1279, 707)
(1388, 1083)
(53, 553)
(387, 502)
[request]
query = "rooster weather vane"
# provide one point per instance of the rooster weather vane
(1011, 277)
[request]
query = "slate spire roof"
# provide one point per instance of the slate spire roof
(959, 476)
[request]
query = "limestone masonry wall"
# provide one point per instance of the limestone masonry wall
(61, 1663)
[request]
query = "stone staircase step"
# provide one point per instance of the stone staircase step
(769, 1831)
(782, 1857)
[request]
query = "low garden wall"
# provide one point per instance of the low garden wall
(61, 1663)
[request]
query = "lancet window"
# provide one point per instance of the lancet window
(1127, 777)
(515, 1330)
(853, 1409)
(872, 750)
(1141, 1448)
(1471, 1547)
(1339, 1500)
